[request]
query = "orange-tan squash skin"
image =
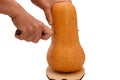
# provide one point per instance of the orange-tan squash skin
(65, 53)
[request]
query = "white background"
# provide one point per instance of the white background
(98, 22)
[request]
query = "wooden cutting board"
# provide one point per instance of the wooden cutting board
(53, 75)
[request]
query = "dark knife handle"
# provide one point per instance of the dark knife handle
(18, 32)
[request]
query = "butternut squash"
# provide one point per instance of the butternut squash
(65, 53)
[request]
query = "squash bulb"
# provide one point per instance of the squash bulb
(65, 53)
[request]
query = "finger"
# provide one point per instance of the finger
(37, 38)
(18, 37)
(48, 15)
(46, 36)
(20, 34)
(47, 33)
(31, 37)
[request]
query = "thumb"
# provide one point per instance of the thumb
(46, 33)
(48, 15)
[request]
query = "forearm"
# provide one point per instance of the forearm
(10, 7)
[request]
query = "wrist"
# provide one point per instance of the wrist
(10, 8)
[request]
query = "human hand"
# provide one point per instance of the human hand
(31, 29)
(46, 5)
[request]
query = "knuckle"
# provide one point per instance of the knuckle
(31, 30)
(37, 26)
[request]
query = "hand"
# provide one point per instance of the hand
(31, 29)
(46, 5)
